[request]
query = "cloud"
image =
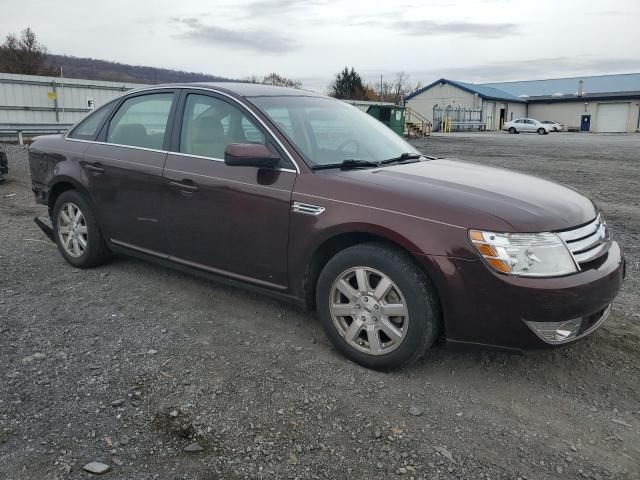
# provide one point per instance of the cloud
(268, 7)
(258, 40)
(429, 28)
(537, 68)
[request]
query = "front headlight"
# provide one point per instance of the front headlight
(524, 254)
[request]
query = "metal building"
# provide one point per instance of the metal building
(37, 104)
(465, 105)
(604, 103)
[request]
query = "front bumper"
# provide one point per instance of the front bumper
(484, 307)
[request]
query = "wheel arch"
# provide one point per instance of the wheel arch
(341, 239)
(62, 184)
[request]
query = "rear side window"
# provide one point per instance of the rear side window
(141, 121)
(90, 126)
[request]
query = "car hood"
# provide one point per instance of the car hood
(476, 196)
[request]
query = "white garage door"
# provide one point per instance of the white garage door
(612, 117)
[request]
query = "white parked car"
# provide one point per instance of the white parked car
(527, 125)
(555, 126)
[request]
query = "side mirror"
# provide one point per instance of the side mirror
(249, 155)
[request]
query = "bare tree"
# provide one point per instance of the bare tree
(24, 55)
(253, 79)
(400, 86)
(275, 79)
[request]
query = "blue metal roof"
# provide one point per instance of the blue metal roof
(489, 92)
(626, 82)
(483, 91)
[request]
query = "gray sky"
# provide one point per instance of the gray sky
(311, 40)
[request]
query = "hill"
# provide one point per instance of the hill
(93, 69)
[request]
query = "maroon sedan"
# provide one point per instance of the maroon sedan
(310, 199)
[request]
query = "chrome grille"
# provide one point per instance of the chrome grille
(588, 242)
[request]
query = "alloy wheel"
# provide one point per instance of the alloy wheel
(369, 310)
(72, 230)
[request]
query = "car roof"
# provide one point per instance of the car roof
(243, 89)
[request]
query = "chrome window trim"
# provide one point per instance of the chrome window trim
(215, 159)
(184, 87)
(117, 145)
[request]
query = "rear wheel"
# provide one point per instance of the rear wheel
(377, 307)
(76, 231)
(512, 130)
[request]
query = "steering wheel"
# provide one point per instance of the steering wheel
(350, 141)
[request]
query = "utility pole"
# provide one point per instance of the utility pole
(380, 89)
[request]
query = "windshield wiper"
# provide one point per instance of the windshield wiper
(401, 158)
(346, 164)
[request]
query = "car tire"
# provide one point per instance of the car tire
(512, 130)
(79, 239)
(387, 341)
(542, 131)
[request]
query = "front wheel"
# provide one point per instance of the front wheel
(512, 130)
(76, 231)
(541, 131)
(377, 307)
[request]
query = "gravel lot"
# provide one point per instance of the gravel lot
(130, 363)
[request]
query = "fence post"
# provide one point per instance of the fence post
(20, 139)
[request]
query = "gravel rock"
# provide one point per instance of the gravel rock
(415, 411)
(96, 468)
(193, 447)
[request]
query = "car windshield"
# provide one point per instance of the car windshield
(327, 131)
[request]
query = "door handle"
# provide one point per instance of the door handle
(94, 168)
(185, 187)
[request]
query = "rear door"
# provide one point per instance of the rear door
(228, 220)
(124, 170)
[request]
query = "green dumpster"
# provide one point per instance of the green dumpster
(391, 115)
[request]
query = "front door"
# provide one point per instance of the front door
(585, 124)
(125, 171)
(228, 220)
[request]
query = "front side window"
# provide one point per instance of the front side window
(141, 121)
(88, 128)
(210, 124)
(327, 131)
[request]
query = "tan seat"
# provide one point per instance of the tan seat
(208, 138)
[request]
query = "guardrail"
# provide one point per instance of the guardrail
(20, 129)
